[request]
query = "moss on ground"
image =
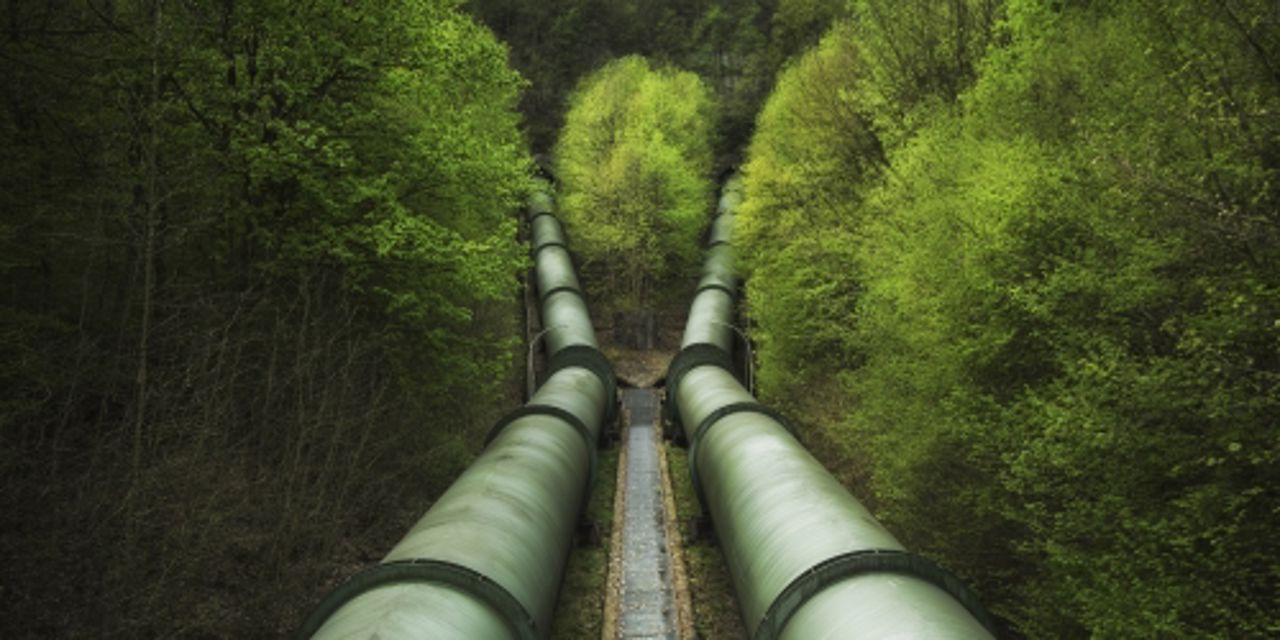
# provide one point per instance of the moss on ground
(580, 613)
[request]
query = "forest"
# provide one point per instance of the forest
(1012, 268)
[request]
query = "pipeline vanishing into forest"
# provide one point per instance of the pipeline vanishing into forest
(807, 559)
(487, 559)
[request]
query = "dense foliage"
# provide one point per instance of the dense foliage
(258, 266)
(736, 46)
(635, 164)
(1018, 259)
(1038, 258)
(809, 162)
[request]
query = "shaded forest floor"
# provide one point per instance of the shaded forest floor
(240, 543)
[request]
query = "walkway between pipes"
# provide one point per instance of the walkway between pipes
(645, 600)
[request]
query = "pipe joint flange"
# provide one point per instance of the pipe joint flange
(739, 407)
(540, 410)
(718, 287)
(694, 355)
(564, 288)
(423, 570)
(554, 243)
(815, 579)
(535, 215)
(711, 420)
(590, 358)
(555, 412)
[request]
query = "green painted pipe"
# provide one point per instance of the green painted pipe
(712, 307)
(807, 559)
(730, 195)
(487, 559)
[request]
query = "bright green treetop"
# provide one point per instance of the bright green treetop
(635, 161)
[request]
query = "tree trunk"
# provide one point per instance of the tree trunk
(151, 215)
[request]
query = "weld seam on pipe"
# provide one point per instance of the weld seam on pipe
(714, 418)
(694, 355)
(426, 570)
(740, 407)
(564, 288)
(540, 409)
(556, 412)
(593, 360)
(553, 243)
(817, 578)
(717, 287)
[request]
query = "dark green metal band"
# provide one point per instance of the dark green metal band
(711, 241)
(590, 358)
(555, 412)
(554, 243)
(542, 213)
(560, 289)
(470, 581)
(738, 407)
(541, 410)
(711, 420)
(694, 355)
(836, 568)
(717, 286)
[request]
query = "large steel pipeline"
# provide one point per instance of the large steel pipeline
(808, 561)
(487, 559)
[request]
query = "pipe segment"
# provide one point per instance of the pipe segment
(487, 559)
(709, 315)
(563, 306)
(720, 229)
(730, 195)
(708, 337)
(806, 558)
(557, 270)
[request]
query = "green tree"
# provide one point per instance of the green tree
(812, 156)
(635, 161)
(1060, 360)
(920, 54)
(821, 144)
(250, 249)
(736, 46)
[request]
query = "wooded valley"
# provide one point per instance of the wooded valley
(1012, 268)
